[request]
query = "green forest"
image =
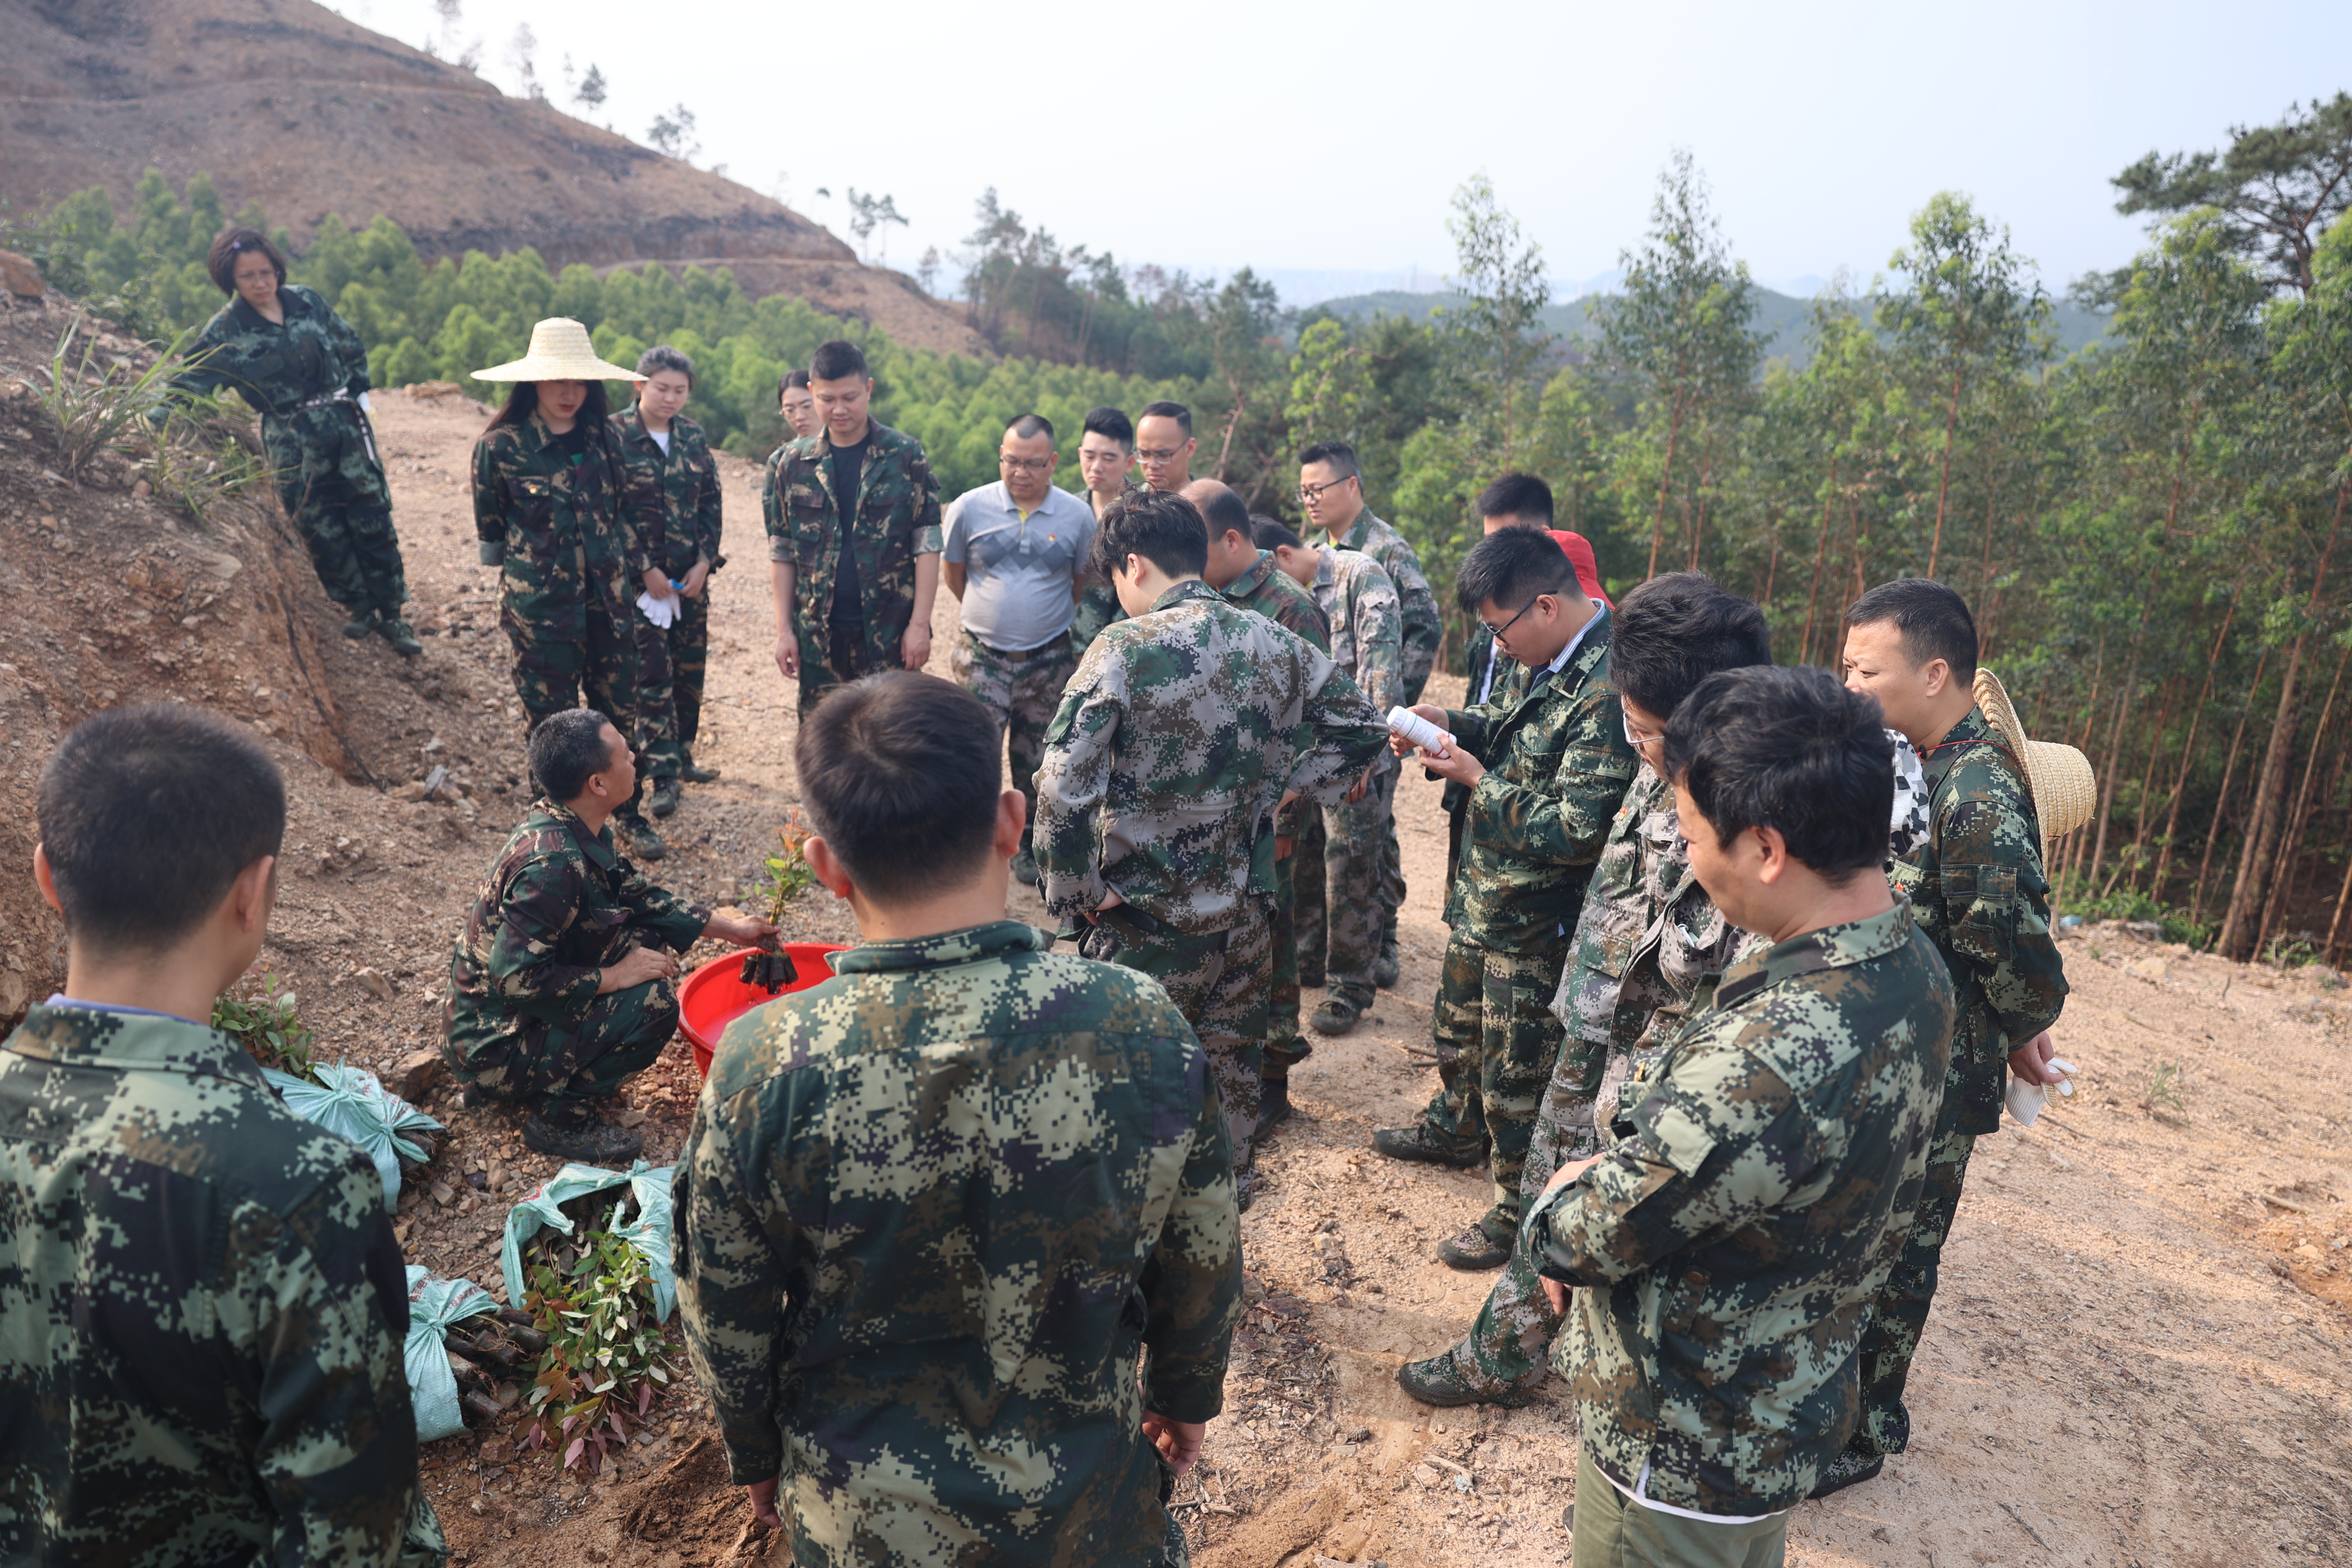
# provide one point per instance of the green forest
(2149, 524)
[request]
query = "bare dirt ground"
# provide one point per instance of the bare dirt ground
(2138, 1358)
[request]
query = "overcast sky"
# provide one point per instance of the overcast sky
(1320, 143)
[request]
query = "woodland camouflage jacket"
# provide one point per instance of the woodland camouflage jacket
(930, 1214)
(1977, 889)
(1367, 623)
(565, 531)
(1422, 628)
(544, 917)
(1177, 737)
(675, 494)
(898, 520)
(1727, 1246)
(316, 441)
(1556, 766)
(200, 1311)
(1268, 590)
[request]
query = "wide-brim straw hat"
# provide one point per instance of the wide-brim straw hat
(2065, 794)
(560, 351)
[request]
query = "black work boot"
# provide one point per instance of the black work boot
(643, 841)
(569, 1130)
(1335, 1017)
(400, 635)
(1430, 1147)
(1849, 1468)
(1385, 969)
(1274, 1107)
(664, 799)
(362, 623)
(695, 773)
(1440, 1381)
(1475, 1249)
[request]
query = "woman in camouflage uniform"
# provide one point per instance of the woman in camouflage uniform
(552, 508)
(283, 349)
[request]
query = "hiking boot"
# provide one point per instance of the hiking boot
(664, 800)
(695, 773)
(1430, 1147)
(360, 625)
(1439, 1381)
(1385, 971)
(400, 635)
(1274, 1106)
(1474, 1250)
(579, 1136)
(644, 842)
(1335, 1017)
(1024, 868)
(1849, 1468)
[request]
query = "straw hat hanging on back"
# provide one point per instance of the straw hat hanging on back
(2065, 793)
(560, 351)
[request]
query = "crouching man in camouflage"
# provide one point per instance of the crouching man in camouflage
(559, 988)
(934, 1212)
(1725, 1251)
(1184, 730)
(201, 1302)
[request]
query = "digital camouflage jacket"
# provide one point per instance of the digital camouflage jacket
(565, 533)
(292, 375)
(202, 1310)
(675, 494)
(1268, 590)
(1422, 628)
(931, 1214)
(1727, 1247)
(1360, 598)
(898, 520)
(1177, 737)
(1558, 764)
(1977, 889)
(553, 898)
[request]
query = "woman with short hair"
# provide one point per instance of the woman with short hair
(282, 348)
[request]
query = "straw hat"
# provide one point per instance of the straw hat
(2065, 793)
(560, 351)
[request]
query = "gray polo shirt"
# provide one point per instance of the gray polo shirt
(1017, 595)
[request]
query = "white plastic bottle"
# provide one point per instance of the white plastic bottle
(1420, 731)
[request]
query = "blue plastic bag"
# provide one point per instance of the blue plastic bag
(350, 1102)
(433, 1304)
(648, 1234)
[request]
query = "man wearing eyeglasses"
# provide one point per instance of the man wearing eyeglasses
(1331, 490)
(1547, 764)
(1015, 559)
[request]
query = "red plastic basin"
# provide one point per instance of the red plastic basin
(714, 997)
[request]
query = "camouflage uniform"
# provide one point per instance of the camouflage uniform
(573, 551)
(1351, 854)
(931, 1216)
(202, 1314)
(1269, 591)
(1725, 1249)
(523, 1020)
(1557, 765)
(1099, 604)
(305, 378)
(1978, 890)
(1180, 733)
(676, 494)
(1478, 652)
(898, 520)
(1423, 631)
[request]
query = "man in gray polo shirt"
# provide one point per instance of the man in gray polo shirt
(1015, 559)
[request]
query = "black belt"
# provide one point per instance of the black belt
(1026, 654)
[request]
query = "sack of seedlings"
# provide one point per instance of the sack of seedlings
(433, 1305)
(646, 1230)
(350, 1102)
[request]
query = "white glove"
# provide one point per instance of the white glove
(661, 612)
(2027, 1101)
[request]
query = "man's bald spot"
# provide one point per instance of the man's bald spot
(1221, 505)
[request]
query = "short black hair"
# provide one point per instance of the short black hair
(900, 772)
(1166, 410)
(1273, 535)
(1109, 421)
(1164, 529)
(1512, 567)
(1030, 425)
(1338, 454)
(1522, 496)
(568, 749)
(834, 359)
(220, 261)
(1223, 512)
(1674, 631)
(1788, 749)
(147, 815)
(1933, 621)
(662, 357)
(788, 381)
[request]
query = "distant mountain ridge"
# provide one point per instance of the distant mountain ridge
(1782, 315)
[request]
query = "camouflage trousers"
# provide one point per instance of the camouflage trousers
(1497, 1044)
(551, 674)
(854, 656)
(671, 664)
(1022, 689)
(333, 488)
(587, 1058)
(1899, 1315)
(1286, 1047)
(1098, 607)
(1218, 982)
(1348, 891)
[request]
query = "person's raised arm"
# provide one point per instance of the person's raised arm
(1343, 733)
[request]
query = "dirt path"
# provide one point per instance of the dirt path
(2139, 1355)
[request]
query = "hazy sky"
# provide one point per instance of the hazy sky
(1327, 138)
